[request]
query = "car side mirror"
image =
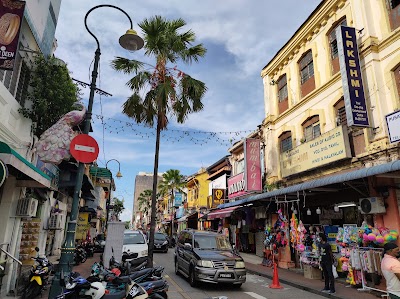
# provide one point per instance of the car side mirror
(187, 246)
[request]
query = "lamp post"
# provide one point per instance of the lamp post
(118, 175)
(129, 41)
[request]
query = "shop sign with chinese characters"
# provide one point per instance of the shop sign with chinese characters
(327, 148)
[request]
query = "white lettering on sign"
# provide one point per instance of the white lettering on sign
(237, 187)
(84, 148)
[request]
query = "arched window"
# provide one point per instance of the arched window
(340, 113)
(333, 46)
(285, 141)
(311, 128)
(306, 66)
(396, 73)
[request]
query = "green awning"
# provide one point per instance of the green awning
(12, 158)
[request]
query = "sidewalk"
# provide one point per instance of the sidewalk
(296, 279)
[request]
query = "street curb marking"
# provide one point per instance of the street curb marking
(180, 290)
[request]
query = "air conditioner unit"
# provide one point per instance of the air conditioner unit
(27, 207)
(372, 205)
(55, 221)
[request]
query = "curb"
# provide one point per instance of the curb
(296, 285)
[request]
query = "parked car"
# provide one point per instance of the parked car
(161, 241)
(135, 243)
(208, 257)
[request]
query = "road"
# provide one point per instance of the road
(255, 287)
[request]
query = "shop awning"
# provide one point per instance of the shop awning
(186, 217)
(325, 181)
(12, 158)
(222, 213)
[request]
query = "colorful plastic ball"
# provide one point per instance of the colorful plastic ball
(365, 237)
(387, 237)
(379, 239)
(371, 237)
(394, 233)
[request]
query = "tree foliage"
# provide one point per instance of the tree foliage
(118, 206)
(144, 201)
(172, 181)
(51, 92)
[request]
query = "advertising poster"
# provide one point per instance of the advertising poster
(178, 199)
(331, 233)
(11, 14)
(82, 226)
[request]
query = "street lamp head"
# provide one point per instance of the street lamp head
(131, 41)
(118, 175)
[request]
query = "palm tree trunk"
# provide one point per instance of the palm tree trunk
(154, 197)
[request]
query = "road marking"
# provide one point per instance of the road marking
(254, 295)
(180, 290)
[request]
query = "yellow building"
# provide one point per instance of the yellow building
(328, 94)
(197, 190)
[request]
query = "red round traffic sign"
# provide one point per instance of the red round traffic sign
(84, 148)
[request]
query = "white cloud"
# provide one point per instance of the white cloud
(126, 214)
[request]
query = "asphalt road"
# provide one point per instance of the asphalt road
(255, 287)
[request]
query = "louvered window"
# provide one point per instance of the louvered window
(306, 67)
(286, 144)
(282, 89)
(23, 84)
(341, 117)
(333, 40)
(394, 3)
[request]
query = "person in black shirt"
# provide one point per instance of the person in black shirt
(326, 262)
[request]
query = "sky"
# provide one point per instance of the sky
(241, 37)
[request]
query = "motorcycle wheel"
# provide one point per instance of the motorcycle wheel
(31, 291)
(83, 259)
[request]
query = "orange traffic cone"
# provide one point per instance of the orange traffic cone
(275, 279)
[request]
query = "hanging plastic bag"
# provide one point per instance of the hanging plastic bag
(335, 274)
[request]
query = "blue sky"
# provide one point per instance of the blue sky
(241, 36)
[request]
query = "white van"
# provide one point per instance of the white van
(135, 244)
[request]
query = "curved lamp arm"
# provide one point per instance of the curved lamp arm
(98, 6)
(118, 175)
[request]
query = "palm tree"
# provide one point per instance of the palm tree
(144, 201)
(166, 90)
(172, 181)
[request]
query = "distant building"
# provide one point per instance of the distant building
(143, 181)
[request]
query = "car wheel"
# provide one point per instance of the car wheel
(192, 278)
(176, 266)
(166, 250)
(237, 286)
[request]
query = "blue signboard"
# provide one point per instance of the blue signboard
(177, 199)
(353, 90)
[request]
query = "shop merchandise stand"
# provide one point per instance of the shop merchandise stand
(363, 282)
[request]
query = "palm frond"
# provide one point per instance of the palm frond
(193, 53)
(133, 107)
(139, 81)
(127, 66)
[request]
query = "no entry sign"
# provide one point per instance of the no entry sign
(84, 148)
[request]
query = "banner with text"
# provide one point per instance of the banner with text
(353, 90)
(177, 199)
(252, 164)
(393, 125)
(236, 186)
(11, 15)
(327, 148)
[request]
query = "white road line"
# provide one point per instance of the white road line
(254, 295)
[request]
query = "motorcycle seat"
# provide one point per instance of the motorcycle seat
(116, 295)
(156, 283)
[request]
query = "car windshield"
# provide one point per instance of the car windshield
(212, 242)
(160, 237)
(133, 239)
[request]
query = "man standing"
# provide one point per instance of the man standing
(391, 269)
(326, 254)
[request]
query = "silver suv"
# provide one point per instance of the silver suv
(208, 257)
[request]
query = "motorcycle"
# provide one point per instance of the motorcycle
(38, 276)
(78, 287)
(79, 254)
(129, 263)
(89, 248)
(99, 273)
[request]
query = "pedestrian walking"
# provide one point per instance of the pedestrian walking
(391, 269)
(326, 262)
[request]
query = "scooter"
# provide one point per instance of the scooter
(76, 287)
(79, 255)
(38, 276)
(89, 248)
(129, 264)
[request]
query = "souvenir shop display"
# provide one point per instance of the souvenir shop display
(29, 240)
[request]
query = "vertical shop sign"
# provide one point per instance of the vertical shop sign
(177, 199)
(353, 90)
(218, 195)
(252, 164)
(82, 226)
(11, 14)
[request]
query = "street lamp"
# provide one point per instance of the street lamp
(118, 175)
(129, 41)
